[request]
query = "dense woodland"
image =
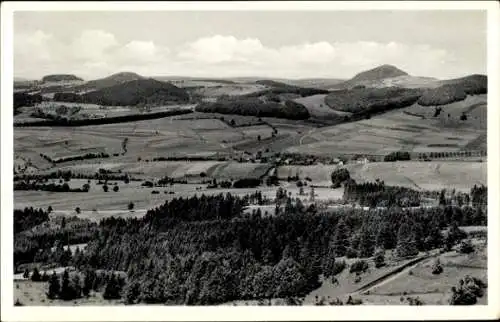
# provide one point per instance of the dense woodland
(255, 107)
(367, 101)
(454, 90)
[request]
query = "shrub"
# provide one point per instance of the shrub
(469, 289)
(466, 247)
(379, 259)
(414, 300)
(115, 188)
(338, 267)
(339, 176)
(105, 188)
(437, 268)
(359, 266)
(130, 206)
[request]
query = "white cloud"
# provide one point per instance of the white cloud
(93, 45)
(218, 49)
(96, 53)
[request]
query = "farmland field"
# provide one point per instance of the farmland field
(399, 130)
(416, 175)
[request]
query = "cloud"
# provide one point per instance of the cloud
(218, 49)
(93, 45)
(338, 59)
(97, 53)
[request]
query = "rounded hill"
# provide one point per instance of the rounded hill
(381, 72)
(60, 78)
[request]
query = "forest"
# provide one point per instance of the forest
(255, 107)
(202, 250)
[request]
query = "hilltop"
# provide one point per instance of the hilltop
(139, 91)
(377, 73)
(113, 80)
(60, 78)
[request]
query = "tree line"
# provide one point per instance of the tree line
(255, 107)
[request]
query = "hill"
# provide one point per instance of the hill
(113, 80)
(405, 81)
(131, 93)
(368, 100)
(454, 90)
(377, 73)
(60, 78)
(139, 91)
(256, 106)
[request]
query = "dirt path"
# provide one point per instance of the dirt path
(311, 131)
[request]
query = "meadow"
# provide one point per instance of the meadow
(412, 129)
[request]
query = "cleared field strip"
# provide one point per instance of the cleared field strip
(396, 130)
(427, 176)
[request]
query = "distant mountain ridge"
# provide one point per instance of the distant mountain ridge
(60, 78)
(380, 72)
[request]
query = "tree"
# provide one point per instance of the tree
(113, 289)
(105, 188)
(35, 277)
(76, 286)
(312, 195)
(88, 280)
(359, 266)
(442, 198)
(340, 239)
(26, 273)
(130, 206)
(379, 258)
(258, 138)
(115, 188)
(54, 287)
(366, 245)
(406, 245)
(469, 289)
(437, 268)
(339, 176)
(289, 277)
(466, 247)
(67, 293)
(132, 292)
(49, 209)
(77, 210)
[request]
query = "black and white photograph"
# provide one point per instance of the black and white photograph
(193, 156)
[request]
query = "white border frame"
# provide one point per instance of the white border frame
(180, 313)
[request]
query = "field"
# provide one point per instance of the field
(416, 175)
(318, 109)
(411, 129)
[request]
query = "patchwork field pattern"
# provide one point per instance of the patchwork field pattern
(412, 129)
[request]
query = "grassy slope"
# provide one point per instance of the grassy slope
(412, 128)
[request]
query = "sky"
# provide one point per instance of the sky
(307, 44)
